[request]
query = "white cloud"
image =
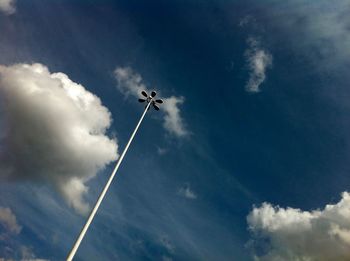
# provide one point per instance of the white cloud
(258, 60)
(187, 192)
(293, 234)
(8, 221)
(130, 83)
(55, 131)
(7, 6)
(172, 119)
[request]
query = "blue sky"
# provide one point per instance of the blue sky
(248, 157)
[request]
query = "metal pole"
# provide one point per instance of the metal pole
(100, 198)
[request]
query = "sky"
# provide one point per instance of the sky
(247, 158)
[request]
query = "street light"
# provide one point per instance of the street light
(149, 99)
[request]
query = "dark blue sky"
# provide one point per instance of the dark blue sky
(287, 144)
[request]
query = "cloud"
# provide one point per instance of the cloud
(161, 151)
(18, 252)
(55, 131)
(166, 242)
(258, 60)
(293, 234)
(11, 248)
(186, 192)
(246, 20)
(7, 6)
(319, 30)
(130, 83)
(28, 255)
(166, 258)
(172, 119)
(8, 221)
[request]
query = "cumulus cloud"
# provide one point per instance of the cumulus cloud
(130, 83)
(187, 192)
(8, 221)
(55, 131)
(7, 6)
(293, 234)
(258, 60)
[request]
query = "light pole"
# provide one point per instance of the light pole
(149, 99)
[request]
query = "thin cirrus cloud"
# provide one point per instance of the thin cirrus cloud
(7, 6)
(54, 131)
(293, 234)
(317, 29)
(130, 83)
(258, 61)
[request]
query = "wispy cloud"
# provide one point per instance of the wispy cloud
(9, 221)
(27, 254)
(293, 234)
(7, 6)
(172, 118)
(131, 83)
(161, 151)
(258, 60)
(10, 247)
(55, 131)
(317, 29)
(187, 192)
(166, 242)
(167, 258)
(246, 20)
